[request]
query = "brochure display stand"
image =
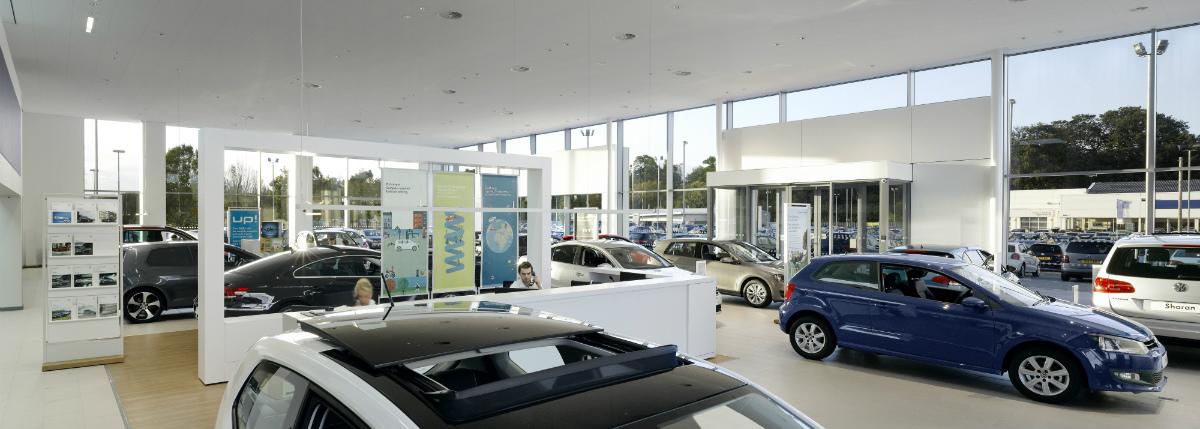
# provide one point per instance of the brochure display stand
(83, 283)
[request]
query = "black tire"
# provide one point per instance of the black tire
(1046, 374)
(143, 305)
(1021, 271)
(812, 338)
(1065, 277)
(1037, 271)
(757, 293)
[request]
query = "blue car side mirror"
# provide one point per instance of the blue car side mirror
(974, 303)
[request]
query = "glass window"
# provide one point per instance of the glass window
(921, 283)
(173, 256)
(862, 96)
(550, 143)
(646, 140)
(580, 137)
(755, 111)
(1178, 108)
(593, 258)
(564, 254)
(182, 162)
(637, 258)
(268, 398)
(241, 179)
(956, 82)
(712, 252)
(1079, 108)
(492, 147)
(328, 180)
(273, 198)
(684, 249)
(859, 274)
(518, 146)
(362, 186)
(320, 413)
(1156, 263)
(695, 148)
(113, 162)
(536, 359)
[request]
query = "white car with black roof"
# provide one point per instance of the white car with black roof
(483, 365)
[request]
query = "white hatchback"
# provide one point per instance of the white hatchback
(1155, 280)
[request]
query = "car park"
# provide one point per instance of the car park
(531, 369)
(341, 237)
(161, 276)
(1021, 260)
(1049, 256)
(574, 263)
(968, 254)
(374, 238)
(953, 313)
(147, 234)
(1079, 257)
(642, 236)
(1154, 280)
(322, 276)
(739, 268)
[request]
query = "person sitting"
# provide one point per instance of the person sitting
(364, 293)
(526, 276)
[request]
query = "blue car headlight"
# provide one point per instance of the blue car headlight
(1121, 345)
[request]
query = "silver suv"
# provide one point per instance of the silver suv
(1154, 280)
(739, 268)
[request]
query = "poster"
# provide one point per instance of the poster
(401, 187)
(108, 305)
(60, 244)
(587, 226)
(107, 210)
(405, 261)
(61, 308)
(61, 212)
(499, 259)
(86, 307)
(60, 277)
(105, 275)
(453, 232)
(85, 213)
(271, 237)
(796, 238)
(243, 225)
(83, 275)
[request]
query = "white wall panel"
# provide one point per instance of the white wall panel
(764, 146)
(53, 165)
(881, 135)
(951, 203)
(951, 131)
(580, 171)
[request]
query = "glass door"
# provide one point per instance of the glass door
(767, 206)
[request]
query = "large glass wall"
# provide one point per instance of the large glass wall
(646, 141)
(755, 111)
(954, 82)
(694, 153)
(865, 95)
(182, 169)
(113, 163)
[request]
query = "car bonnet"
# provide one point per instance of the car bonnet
(1094, 320)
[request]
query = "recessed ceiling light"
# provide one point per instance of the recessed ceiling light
(520, 69)
(87, 26)
(248, 117)
(508, 112)
(747, 71)
(357, 121)
(682, 73)
(1139, 8)
(625, 36)
(312, 85)
(451, 14)
(397, 108)
(449, 91)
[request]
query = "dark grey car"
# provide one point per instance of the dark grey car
(1079, 257)
(161, 276)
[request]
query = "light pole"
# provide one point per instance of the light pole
(1159, 47)
(1189, 186)
(587, 134)
(684, 178)
(118, 152)
(662, 180)
(273, 161)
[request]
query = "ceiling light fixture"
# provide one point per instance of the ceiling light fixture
(396, 108)
(450, 14)
(1139, 8)
(87, 27)
(682, 73)
(449, 91)
(357, 121)
(520, 69)
(312, 85)
(625, 36)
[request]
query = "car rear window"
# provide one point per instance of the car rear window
(1155, 263)
(1044, 248)
(1088, 247)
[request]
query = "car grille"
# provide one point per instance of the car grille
(1151, 377)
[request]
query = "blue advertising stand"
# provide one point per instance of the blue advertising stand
(243, 225)
(500, 239)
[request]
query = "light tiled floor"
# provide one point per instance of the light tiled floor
(172, 321)
(30, 398)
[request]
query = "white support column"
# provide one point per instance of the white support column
(300, 182)
(618, 175)
(538, 247)
(211, 306)
(154, 173)
(669, 166)
(1001, 129)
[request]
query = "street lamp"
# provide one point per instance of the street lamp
(118, 152)
(587, 133)
(684, 178)
(1160, 47)
(273, 161)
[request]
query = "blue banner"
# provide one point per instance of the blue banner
(500, 240)
(243, 225)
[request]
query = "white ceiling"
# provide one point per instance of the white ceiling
(238, 63)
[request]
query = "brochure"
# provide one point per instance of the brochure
(60, 244)
(61, 308)
(83, 244)
(60, 277)
(62, 213)
(83, 275)
(86, 307)
(108, 305)
(105, 275)
(85, 213)
(108, 210)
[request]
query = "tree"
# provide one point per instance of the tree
(182, 165)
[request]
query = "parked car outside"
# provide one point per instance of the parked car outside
(1021, 261)
(574, 263)
(968, 254)
(1080, 256)
(162, 276)
(343, 370)
(1154, 280)
(739, 268)
(1049, 256)
(374, 238)
(341, 237)
(321, 276)
(643, 237)
(949, 312)
(148, 234)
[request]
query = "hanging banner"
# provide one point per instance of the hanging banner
(796, 238)
(406, 260)
(587, 226)
(272, 237)
(243, 225)
(453, 232)
(399, 187)
(499, 262)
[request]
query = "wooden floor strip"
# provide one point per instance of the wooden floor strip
(158, 386)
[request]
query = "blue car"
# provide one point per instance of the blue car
(948, 312)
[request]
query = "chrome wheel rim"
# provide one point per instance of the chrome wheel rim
(756, 293)
(143, 306)
(1044, 375)
(809, 337)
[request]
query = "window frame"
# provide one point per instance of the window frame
(300, 407)
(875, 271)
(190, 258)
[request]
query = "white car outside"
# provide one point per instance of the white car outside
(1154, 280)
(575, 263)
(1021, 260)
(404, 244)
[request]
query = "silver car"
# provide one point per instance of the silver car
(739, 267)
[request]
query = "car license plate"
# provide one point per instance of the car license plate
(1089, 261)
(1043, 258)
(1182, 307)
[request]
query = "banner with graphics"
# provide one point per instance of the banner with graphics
(406, 261)
(796, 237)
(453, 232)
(243, 225)
(399, 187)
(500, 241)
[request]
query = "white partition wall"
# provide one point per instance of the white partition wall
(223, 341)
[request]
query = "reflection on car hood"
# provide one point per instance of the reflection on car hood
(1094, 320)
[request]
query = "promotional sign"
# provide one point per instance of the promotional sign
(243, 225)
(587, 226)
(406, 261)
(453, 232)
(403, 188)
(796, 238)
(272, 237)
(500, 243)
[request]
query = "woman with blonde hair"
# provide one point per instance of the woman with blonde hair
(363, 293)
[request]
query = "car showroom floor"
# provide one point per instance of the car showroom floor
(848, 390)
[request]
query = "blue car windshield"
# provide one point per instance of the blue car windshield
(1007, 291)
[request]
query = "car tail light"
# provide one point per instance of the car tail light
(788, 296)
(231, 292)
(1107, 285)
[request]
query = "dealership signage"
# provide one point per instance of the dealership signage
(796, 238)
(243, 225)
(453, 232)
(500, 240)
